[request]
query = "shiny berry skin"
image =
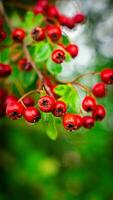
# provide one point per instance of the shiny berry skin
(78, 121)
(38, 9)
(89, 103)
(3, 35)
(5, 70)
(69, 122)
(107, 76)
(10, 99)
(18, 35)
(58, 56)
(79, 18)
(32, 114)
(46, 104)
(66, 21)
(38, 34)
(52, 11)
(28, 101)
(43, 3)
(99, 113)
(99, 90)
(72, 50)
(59, 109)
(3, 95)
(14, 110)
(24, 65)
(88, 122)
(54, 33)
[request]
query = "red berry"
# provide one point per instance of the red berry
(54, 33)
(66, 21)
(99, 113)
(79, 121)
(3, 95)
(72, 49)
(107, 76)
(79, 18)
(3, 35)
(58, 56)
(89, 104)
(99, 90)
(28, 101)
(18, 35)
(38, 9)
(69, 122)
(38, 34)
(5, 70)
(88, 122)
(42, 3)
(24, 65)
(10, 99)
(59, 109)
(52, 11)
(32, 114)
(46, 103)
(14, 110)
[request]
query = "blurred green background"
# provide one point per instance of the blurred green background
(79, 165)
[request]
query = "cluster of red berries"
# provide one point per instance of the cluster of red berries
(51, 11)
(3, 34)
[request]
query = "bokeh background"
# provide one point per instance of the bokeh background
(79, 165)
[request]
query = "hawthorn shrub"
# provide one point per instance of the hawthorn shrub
(32, 53)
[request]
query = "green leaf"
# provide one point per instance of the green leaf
(31, 21)
(42, 52)
(16, 20)
(70, 96)
(4, 55)
(51, 128)
(27, 78)
(65, 39)
(53, 68)
(62, 90)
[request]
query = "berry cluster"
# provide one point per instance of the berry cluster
(50, 102)
(51, 12)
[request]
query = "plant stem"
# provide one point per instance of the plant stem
(29, 93)
(87, 74)
(83, 87)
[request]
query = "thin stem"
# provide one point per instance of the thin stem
(29, 58)
(83, 87)
(29, 93)
(87, 74)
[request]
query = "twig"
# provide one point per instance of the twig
(29, 93)
(84, 75)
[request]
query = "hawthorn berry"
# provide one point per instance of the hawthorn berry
(72, 50)
(78, 120)
(38, 34)
(99, 90)
(89, 103)
(79, 18)
(3, 35)
(46, 104)
(59, 109)
(69, 122)
(28, 101)
(24, 65)
(88, 122)
(58, 56)
(52, 11)
(43, 3)
(32, 114)
(18, 35)
(5, 70)
(54, 33)
(10, 99)
(66, 21)
(14, 110)
(99, 113)
(107, 76)
(38, 9)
